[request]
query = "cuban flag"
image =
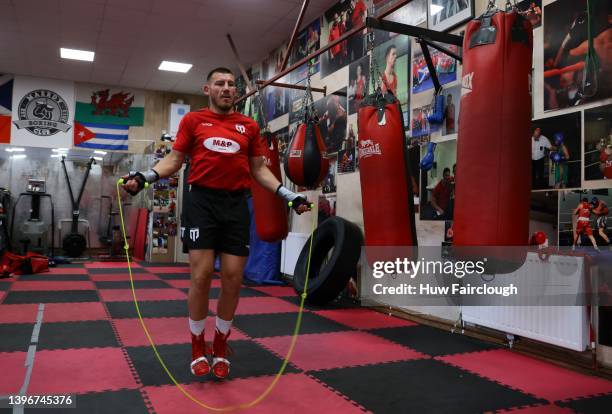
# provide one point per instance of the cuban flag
(101, 136)
(6, 108)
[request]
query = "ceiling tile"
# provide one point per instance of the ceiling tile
(142, 5)
(131, 37)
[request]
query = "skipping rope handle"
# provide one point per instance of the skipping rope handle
(294, 200)
(143, 179)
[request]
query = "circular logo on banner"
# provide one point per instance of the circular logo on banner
(43, 112)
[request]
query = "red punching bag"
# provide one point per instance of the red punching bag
(386, 189)
(493, 146)
(306, 163)
(270, 211)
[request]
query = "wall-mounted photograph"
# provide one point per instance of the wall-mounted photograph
(306, 42)
(332, 113)
(359, 78)
(446, 14)
(336, 21)
(532, 11)
(598, 143)
(446, 68)
(583, 219)
(347, 156)
(437, 197)
(392, 59)
(556, 159)
(577, 63)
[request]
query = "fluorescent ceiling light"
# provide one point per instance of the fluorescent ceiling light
(435, 9)
(77, 54)
(18, 156)
(59, 150)
(14, 149)
(55, 155)
(100, 152)
(98, 158)
(175, 66)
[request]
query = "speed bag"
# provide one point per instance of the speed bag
(492, 198)
(306, 163)
(386, 190)
(270, 211)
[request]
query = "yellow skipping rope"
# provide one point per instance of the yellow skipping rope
(296, 330)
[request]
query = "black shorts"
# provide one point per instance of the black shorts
(602, 222)
(217, 220)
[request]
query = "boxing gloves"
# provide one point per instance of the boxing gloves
(428, 159)
(556, 157)
(437, 114)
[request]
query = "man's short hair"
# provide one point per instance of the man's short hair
(220, 69)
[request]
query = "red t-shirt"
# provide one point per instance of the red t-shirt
(358, 16)
(334, 33)
(360, 89)
(219, 147)
(391, 86)
(584, 212)
(442, 192)
(607, 164)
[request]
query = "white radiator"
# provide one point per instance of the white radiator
(564, 326)
(291, 249)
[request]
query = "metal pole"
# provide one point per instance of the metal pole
(322, 90)
(298, 23)
(242, 69)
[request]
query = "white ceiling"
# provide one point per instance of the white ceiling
(132, 37)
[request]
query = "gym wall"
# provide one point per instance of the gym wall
(14, 173)
(595, 116)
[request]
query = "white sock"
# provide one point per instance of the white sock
(223, 326)
(196, 327)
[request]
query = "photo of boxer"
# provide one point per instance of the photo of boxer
(598, 143)
(555, 152)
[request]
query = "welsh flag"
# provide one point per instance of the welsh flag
(106, 105)
(101, 136)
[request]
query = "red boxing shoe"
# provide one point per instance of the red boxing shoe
(199, 362)
(220, 365)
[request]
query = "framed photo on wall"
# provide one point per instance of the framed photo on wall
(445, 14)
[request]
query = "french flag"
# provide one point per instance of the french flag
(101, 136)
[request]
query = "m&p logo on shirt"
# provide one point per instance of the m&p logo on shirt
(220, 144)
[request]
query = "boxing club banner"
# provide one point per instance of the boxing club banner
(43, 112)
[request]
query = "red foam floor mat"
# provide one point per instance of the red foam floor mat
(529, 375)
(339, 349)
(53, 312)
(258, 305)
(125, 295)
(54, 286)
(164, 331)
(364, 318)
(294, 393)
(80, 370)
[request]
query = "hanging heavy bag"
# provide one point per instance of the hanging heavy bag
(494, 121)
(388, 206)
(270, 211)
